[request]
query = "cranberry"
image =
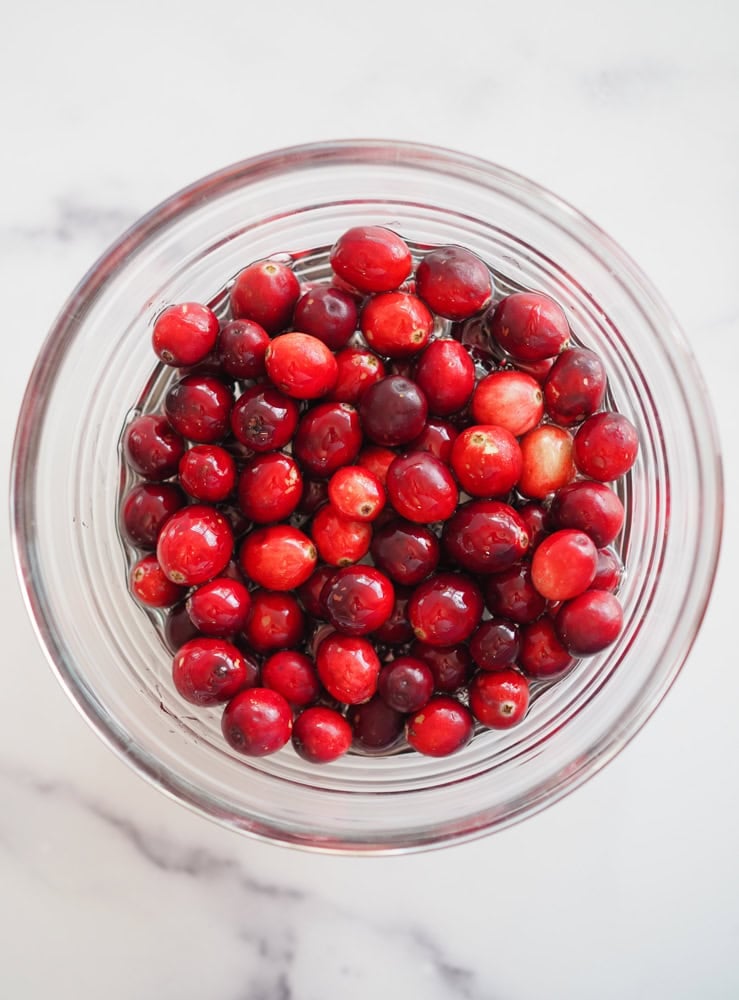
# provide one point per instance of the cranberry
(590, 507)
(575, 386)
(537, 369)
(542, 655)
(451, 665)
(606, 446)
(378, 460)
(512, 594)
(408, 553)
(195, 545)
(446, 375)
(265, 292)
(241, 348)
(151, 446)
(208, 473)
(376, 726)
(184, 334)
(397, 631)
(264, 419)
(589, 622)
(340, 541)
(357, 369)
(509, 399)
(454, 282)
(421, 488)
(327, 313)
(358, 599)
(270, 488)
(396, 324)
(485, 536)
(219, 607)
(278, 557)
(608, 572)
(321, 735)
(445, 609)
(393, 411)
(564, 564)
(178, 627)
(499, 700)
(310, 592)
(257, 722)
(328, 436)
(145, 509)
(495, 644)
(275, 622)
(209, 671)
(529, 326)
(371, 259)
(240, 524)
(536, 519)
(547, 461)
(348, 667)
(356, 493)
(437, 438)
(294, 675)
(486, 460)
(301, 366)
(319, 632)
(440, 728)
(151, 587)
(199, 407)
(314, 496)
(405, 684)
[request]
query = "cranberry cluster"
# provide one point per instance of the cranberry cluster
(368, 522)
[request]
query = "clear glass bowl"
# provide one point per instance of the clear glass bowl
(67, 475)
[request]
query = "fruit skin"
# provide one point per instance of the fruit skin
(321, 735)
(275, 622)
(421, 488)
(219, 607)
(589, 622)
(356, 493)
(406, 684)
(608, 572)
(485, 536)
(542, 655)
(442, 727)
(208, 671)
(371, 259)
(310, 592)
(257, 722)
(591, 507)
(150, 585)
(486, 460)
(451, 666)
(348, 667)
(564, 564)
(547, 463)
(184, 334)
(495, 644)
(145, 509)
(199, 408)
(270, 488)
(446, 375)
(500, 699)
(358, 599)
(454, 282)
(208, 473)
(357, 369)
(264, 419)
(266, 292)
(152, 447)
(328, 436)
(510, 399)
(293, 675)
(512, 594)
(376, 727)
(397, 631)
(301, 366)
(278, 557)
(408, 553)
(606, 446)
(437, 438)
(378, 460)
(393, 411)
(445, 609)
(241, 348)
(529, 326)
(327, 313)
(338, 540)
(396, 324)
(195, 544)
(575, 386)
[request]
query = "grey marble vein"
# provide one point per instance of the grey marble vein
(71, 219)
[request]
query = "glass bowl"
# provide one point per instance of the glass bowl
(95, 364)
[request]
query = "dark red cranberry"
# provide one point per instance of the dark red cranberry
(407, 552)
(240, 523)
(241, 348)
(319, 632)
(575, 386)
(321, 735)
(275, 622)
(608, 572)
(589, 622)
(536, 520)
(199, 407)
(358, 599)
(145, 509)
(445, 609)
(278, 557)
(327, 313)
(454, 282)
(446, 376)
(529, 326)
(371, 259)
(590, 507)
(397, 631)
(195, 544)
(151, 586)
(547, 463)
(184, 334)
(315, 495)
(310, 592)
(606, 446)
(564, 564)
(257, 722)
(265, 292)
(421, 488)
(393, 411)
(542, 655)
(264, 419)
(509, 399)
(512, 594)
(495, 644)
(405, 684)
(396, 324)
(486, 460)
(340, 541)
(348, 667)
(294, 675)
(442, 727)
(178, 627)
(208, 473)
(437, 438)
(301, 366)
(356, 493)
(378, 460)
(451, 665)
(357, 369)
(270, 488)
(485, 536)
(328, 437)
(209, 671)
(376, 726)
(538, 370)
(499, 700)
(219, 607)
(152, 447)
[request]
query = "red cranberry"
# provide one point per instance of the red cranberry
(590, 507)
(421, 488)
(340, 541)
(454, 282)
(378, 460)
(241, 348)
(145, 509)
(270, 488)
(485, 536)
(512, 594)
(278, 557)
(608, 572)
(195, 545)
(199, 407)
(495, 644)
(315, 495)
(275, 622)
(294, 675)
(185, 334)
(509, 399)
(371, 259)
(446, 376)
(486, 460)
(321, 735)
(208, 473)
(319, 632)
(537, 369)
(257, 722)
(396, 324)
(500, 699)
(440, 728)
(376, 726)
(445, 609)
(264, 419)
(301, 366)
(529, 326)
(405, 684)
(178, 627)
(393, 411)
(152, 448)
(408, 553)
(356, 493)
(357, 369)
(564, 564)
(451, 665)
(542, 655)
(240, 524)
(327, 313)
(219, 607)
(328, 436)
(151, 587)
(358, 599)
(575, 386)
(265, 292)
(589, 622)
(348, 667)
(310, 592)
(536, 519)
(397, 631)
(209, 671)
(437, 438)
(547, 463)
(606, 446)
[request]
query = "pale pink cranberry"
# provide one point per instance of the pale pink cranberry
(509, 399)
(547, 464)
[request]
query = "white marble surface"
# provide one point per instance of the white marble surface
(630, 887)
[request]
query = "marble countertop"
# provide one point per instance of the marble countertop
(630, 886)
